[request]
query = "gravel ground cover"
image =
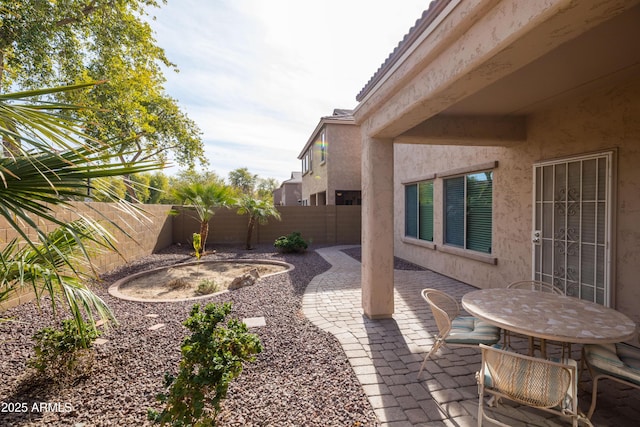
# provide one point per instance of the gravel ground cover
(301, 378)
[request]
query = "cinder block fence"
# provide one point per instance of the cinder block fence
(156, 228)
(318, 224)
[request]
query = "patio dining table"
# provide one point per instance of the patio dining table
(549, 316)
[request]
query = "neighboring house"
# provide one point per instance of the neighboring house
(501, 142)
(290, 191)
(331, 162)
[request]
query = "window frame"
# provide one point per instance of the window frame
(323, 146)
(306, 161)
(418, 235)
(446, 238)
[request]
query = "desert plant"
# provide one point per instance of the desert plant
(177, 283)
(291, 243)
(197, 245)
(259, 212)
(211, 358)
(206, 286)
(48, 162)
(205, 198)
(64, 353)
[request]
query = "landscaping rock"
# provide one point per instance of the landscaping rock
(247, 279)
(302, 378)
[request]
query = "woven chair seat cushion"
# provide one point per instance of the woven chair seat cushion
(471, 330)
(541, 385)
(618, 360)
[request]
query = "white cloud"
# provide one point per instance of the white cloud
(257, 75)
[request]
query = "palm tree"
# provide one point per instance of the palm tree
(50, 163)
(259, 211)
(205, 197)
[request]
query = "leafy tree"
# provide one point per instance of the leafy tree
(205, 198)
(159, 188)
(45, 43)
(50, 167)
(259, 212)
(105, 189)
(266, 187)
(193, 176)
(243, 180)
(140, 183)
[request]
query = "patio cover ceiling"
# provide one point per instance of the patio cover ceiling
(490, 101)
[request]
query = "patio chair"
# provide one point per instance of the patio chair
(619, 362)
(455, 330)
(539, 383)
(537, 286)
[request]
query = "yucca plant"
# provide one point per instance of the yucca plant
(48, 163)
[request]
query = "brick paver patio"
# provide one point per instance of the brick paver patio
(386, 355)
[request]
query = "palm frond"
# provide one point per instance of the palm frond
(52, 162)
(42, 270)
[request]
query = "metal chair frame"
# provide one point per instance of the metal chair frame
(525, 380)
(597, 374)
(444, 309)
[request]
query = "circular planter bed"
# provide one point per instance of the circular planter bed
(194, 280)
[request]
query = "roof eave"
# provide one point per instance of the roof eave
(428, 16)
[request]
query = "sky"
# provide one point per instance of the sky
(257, 75)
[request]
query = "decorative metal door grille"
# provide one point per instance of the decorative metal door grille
(572, 223)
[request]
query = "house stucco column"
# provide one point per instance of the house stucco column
(377, 227)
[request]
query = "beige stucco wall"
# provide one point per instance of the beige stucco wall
(604, 120)
(315, 180)
(341, 170)
(343, 159)
(291, 194)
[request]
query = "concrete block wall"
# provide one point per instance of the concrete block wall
(154, 228)
(317, 224)
(150, 230)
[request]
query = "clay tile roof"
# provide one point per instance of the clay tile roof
(434, 9)
(340, 114)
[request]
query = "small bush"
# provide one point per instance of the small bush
(176, 284)
(64, 354)
(211, 358)
(291, 243)
(206, 286)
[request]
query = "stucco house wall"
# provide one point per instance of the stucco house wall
(603, 121)
(343, 160)
(314, 180)
(290, 191)
(507, 84)
(291, 194)
(340, 168)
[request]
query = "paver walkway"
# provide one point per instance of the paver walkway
(386, 354)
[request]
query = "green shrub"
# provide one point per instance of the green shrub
(66, 353)
(206, 287)
(211, 357)
(291, 243)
